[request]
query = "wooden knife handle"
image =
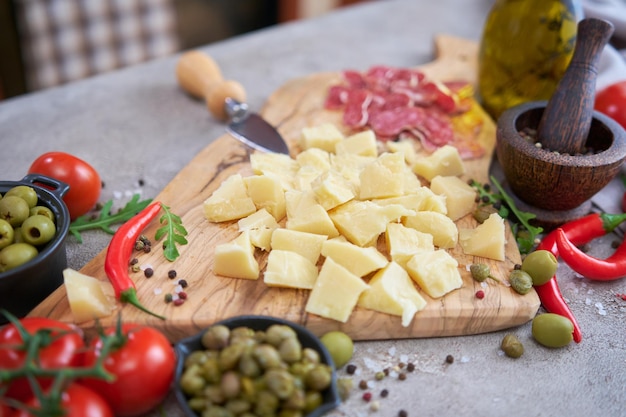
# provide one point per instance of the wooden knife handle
(199, 75)
(565, 123)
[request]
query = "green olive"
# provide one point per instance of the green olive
(552, 330)
(520, 281)
(17, 235)
(38, 230)
(541, 265)
(14, 209)
(340, 347)
(15, 255)
(6, 234)
(26, 193)
(43, 211)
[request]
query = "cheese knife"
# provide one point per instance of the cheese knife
(200, 76)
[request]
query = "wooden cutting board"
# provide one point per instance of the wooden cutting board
(298, 104)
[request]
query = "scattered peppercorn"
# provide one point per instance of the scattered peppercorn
(148, 272)
(403, 413)
(182, 295)
(410, 367)
(384, 393)
(449, 359)
(622, 296)
(179, 301)
(401, 365)
(139, 245)
(402, 376)
(147, 248)
(363, 384)
(134, 261)
(183, 283)
(386, 371)
(135, 268)
(351, 369)
(480, 294)
(379, 376)
(375, 406)
(517, 266)
(141, 182)
(367, 396)
(168, 298)
(171, 274)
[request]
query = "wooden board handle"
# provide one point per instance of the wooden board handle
(199, 75)
(565, 124)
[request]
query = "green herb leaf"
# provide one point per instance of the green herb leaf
(105, 219)
(174, 233)
(525, 233)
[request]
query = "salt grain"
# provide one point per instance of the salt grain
(588, 301)
(178, 288)
(392, 351)
(601, 310)
(464, 359)
(145, 266)
(158, 291)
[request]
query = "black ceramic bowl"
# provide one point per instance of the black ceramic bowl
(22, 288)
(307, 339)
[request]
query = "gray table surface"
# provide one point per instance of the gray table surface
(135, 126)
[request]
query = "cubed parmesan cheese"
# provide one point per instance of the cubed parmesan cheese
(486, 240)
(324, 136)
(445, 161)
(289, 269)
(89, 298)
(392, 291)
(435, 272)
(335, 293)
(236, 259)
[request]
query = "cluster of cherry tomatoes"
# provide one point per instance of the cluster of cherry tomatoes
(143, 367)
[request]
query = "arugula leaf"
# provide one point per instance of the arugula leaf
(105, 219)
(525, 233)
(174, 231)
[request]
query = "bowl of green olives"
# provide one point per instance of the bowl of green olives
(255, 365)
(34, 222)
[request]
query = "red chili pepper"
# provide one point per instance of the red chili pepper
(119, 252)
(578, 232)
(611, 268)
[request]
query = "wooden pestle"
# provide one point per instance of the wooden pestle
(566, 120)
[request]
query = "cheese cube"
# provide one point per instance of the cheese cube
(230, 201)
(305, 214)
(459, 195)
(406, 147)
(360, 261)
(441, 227)
(89, 298)
(314, 157)
(267, 192)
(361, 222)
(289, 269)
(362, 143)
(324, 136)
(435, 272)
(392, 291)
(403, 242)
(486, 240)
(445, 161)
(277, 165)
(260, 225)
(335, 293)
(421, 199)
(308, 245)
(384, 177)
(332, 190)
(236, 259)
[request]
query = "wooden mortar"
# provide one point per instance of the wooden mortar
(581, 150)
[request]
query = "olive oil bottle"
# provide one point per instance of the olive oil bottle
(525, 48)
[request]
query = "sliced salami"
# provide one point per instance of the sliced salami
(400, 102)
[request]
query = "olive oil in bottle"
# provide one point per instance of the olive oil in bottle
(525, 48)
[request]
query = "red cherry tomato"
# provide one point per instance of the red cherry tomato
(76, 401)
(65, 350)
(612, 102)
(83, 179)
(143, 366)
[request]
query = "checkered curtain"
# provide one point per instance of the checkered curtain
(66, 40)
